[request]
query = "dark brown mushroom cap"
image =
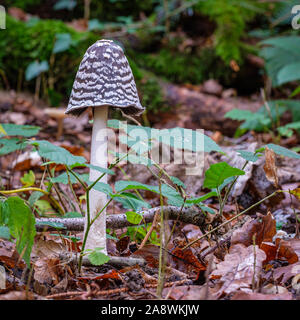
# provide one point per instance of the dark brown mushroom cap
(104, 77)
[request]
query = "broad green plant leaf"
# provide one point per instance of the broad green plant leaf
(10, 145)
(97, 257)
(62, 43)
(43, 207)
(131, 201)
(174, 198)
(134, 217)
(102, 187)
(63, 178)
(248, 155)
(56, 154)
(178, 182)
(35, 69)
(65, 4)
(287, 130)
(202, 198)
(73, 215)
(283, 151)
(217, 173)
(2, 131)
(28, 179)
(4, 233)
(12, 129)
(35, 196)
(181, 138)
(95, 24)
(56, 225)
(282, 56)
(21, 226)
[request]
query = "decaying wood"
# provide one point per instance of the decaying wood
(191, 215)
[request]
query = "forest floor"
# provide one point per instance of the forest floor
(254, 257)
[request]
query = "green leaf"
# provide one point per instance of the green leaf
(295, 92)
(98, 258)
(202, 198)
(287, 130)
(207, 209)
(102, 187)
(35, 196)
(182, 138)
(217, 173)
(28, 179)
(56, 225)
(65, 4)
(100, 169)
(10, 145)
(134, 217)
(2, 131)
(174, 198)
(178, 182)
(241, 115)
(63, 178)
(131, 201)
(57, 154)
(35, 69)
(139, 159)
(62, 43)
(73, 215)
(290, 72)
(43, 207)
(247, 155)
(95, 24)
(4, 213)
(4, 233)
(282, 57)
(21, 226)
(283, 151)
(20, 130)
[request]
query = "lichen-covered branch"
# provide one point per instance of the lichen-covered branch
(191, 215)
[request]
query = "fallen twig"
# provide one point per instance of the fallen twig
(114, 261)
(150, 230)
(191, 215)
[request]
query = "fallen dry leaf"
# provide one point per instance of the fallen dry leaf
(48, 270)
(150, 253)
(264, 227)
(282, 250)
(112, 274)
(237, 270)
(286, 251)
(122, 245)
(270, 167)
(187, 293)
(17, 295)
(283, 274)
(272, 289)
(186, 261)
(46, 248)
(296, 193)
(295, 244)
(9, 256)
(260, 296)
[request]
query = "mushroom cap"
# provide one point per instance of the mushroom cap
(104, 78)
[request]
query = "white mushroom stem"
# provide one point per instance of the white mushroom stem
(97, 200)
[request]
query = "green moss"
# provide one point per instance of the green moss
(21, 44)
(185, 68)
(231, 18)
